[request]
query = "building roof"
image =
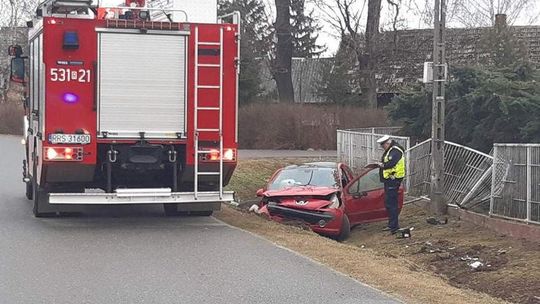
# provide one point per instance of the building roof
(406, 51)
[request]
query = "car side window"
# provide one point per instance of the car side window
(369, 182)
(355, 187)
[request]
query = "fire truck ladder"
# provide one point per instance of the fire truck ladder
(219, 109)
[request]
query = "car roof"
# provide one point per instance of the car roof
(331, 165)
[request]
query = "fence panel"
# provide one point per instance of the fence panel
(359, 149)
(515, 191)
(467, 171)
(419, 169)
(378, 130)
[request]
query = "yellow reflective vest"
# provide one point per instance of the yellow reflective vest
(398, 171)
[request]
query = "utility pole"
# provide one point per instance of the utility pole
(438, 204)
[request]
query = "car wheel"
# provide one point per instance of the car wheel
(345, 229)
(171, 209)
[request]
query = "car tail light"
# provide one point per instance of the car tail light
(64, 154)
(213, 155)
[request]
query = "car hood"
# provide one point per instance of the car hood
(302, 191)
(304, 203)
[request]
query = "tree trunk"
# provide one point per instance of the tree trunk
(283, 62)
(369, 60)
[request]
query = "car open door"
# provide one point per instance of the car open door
(364, 198)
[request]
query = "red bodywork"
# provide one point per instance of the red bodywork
(312, 204)
(48, 114)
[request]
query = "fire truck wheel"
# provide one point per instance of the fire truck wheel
(41, 198)
(29, 190)
(202, 213)
(171, 209)
(197, 213)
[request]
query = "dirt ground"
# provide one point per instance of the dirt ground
(433, 266)
(509, 268)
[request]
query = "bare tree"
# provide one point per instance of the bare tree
(482, 12)
(16, 12)
(346, 16)
(477, 13)
(284, 50)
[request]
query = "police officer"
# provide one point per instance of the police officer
(392, 172)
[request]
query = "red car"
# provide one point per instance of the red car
(326, 196)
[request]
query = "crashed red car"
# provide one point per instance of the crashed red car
(326, 196)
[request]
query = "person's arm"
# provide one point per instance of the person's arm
(395, 156)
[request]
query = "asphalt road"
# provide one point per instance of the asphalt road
(128, 254)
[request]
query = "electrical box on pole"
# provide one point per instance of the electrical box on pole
(438, 204)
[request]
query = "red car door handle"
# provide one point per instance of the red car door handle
(360, 194)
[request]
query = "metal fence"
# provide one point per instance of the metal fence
(515, 191)
(467, 173)
(504, 183)
(419, 169)
(358, 149)
(378, 130)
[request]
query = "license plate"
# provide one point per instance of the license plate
(69, 139)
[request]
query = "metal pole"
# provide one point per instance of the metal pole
(438, 204)
(493, 179)
(529, 183)
(407, 165)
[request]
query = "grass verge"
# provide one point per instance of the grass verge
(426, 268)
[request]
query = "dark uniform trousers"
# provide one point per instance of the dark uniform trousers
(391, 192)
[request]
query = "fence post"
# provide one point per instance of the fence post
(529, 183)
(407, 165)
(349, 135)
(338, 148)
(371, 147)
(493, 179)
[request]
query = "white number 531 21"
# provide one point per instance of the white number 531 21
(66, 75)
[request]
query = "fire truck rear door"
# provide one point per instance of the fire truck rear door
(141, 83)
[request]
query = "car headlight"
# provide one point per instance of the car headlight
(334, 201)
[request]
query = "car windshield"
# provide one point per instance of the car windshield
(305, 176)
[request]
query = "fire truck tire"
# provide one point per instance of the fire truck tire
(29, 191)
(202, 213)
(171, 209)
(41, 198)
(197, 213)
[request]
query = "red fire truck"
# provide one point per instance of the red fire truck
(128, 106)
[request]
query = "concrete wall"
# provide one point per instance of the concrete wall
(518, 230)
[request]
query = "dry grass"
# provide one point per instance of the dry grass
(393, 275)
(403, 268)
(300, 126)
(11, 118)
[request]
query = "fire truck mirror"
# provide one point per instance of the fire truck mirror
(17, 70)
(15, 51)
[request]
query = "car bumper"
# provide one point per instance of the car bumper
(327, 222)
